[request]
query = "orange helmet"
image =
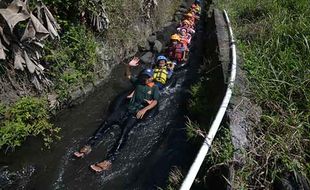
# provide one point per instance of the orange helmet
(175, 37)
(189, 14)
(186, 22)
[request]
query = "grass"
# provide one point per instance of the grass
(273, 38)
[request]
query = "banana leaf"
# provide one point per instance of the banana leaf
(51, 29)
(30, 32)
(5, 39)
(30, 65)
(50, 17)
(18, 59)
(15, 13)
(2, 53)
(41, 31)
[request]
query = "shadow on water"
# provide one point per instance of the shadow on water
(152, 149)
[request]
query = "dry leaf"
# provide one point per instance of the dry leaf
(18, 59)
(50, 17)
(14, 13)
(29, 33)
(4, 37)
(51, 29)
(41, 31)
(30, 65)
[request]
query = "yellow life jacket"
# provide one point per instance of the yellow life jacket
(160, 74)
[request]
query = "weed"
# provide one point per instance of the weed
(27, 117)
(174, 179)
(277, 61)
(72, 60)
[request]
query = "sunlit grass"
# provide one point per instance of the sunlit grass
(273, 37)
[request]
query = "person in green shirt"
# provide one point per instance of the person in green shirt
(142, 100)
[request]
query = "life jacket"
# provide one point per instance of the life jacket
(186, 39)
(188, 30)
(160, 74)
(177, 51)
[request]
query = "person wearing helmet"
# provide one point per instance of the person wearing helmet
(144, 99)
(162, 71)
(176, 50)
(175, 38)
(187, 24)
(188, 30)
(196, 8)
(190, 16)
(185, 36)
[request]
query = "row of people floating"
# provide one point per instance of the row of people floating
(143, 99)
(178, 50)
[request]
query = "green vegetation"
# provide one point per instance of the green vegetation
(72, 60)
(27, 117)
(273, 38)
(175, 179)
(222, 148)
(198, 101)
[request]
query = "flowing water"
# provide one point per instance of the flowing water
(152, 149)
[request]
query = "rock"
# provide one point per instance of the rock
(288, 181)
(183, 5)
(177, 18)
(52, 99)
(151, 39)
(147, 58)
(158, 46)
(178, 13)
(75, 94)
(144, 46)
(87, 89)
(183, 10)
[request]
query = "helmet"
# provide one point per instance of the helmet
(197, 1)
(148, 72)
(189, 15)
(175, 37)
(186, 22)
(161, 57)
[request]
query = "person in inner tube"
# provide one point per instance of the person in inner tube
(144, 98)
(162, 70)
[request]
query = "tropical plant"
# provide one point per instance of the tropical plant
(21, 33)
(94, 13)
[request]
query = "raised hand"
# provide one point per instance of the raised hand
(134, 62)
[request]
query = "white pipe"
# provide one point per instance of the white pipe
(187, 183)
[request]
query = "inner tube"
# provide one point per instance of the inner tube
(170, 83)
(120, 100)
(181, 66)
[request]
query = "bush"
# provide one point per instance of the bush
(72, 60)
(27, 117)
